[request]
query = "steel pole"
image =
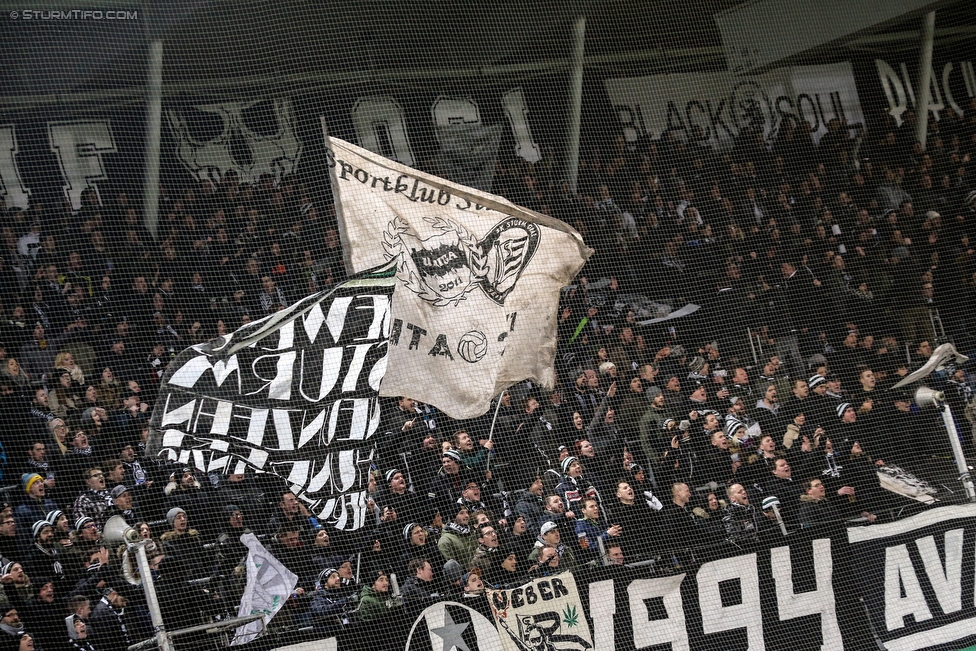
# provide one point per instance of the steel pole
(575, 103)
(162, 637)
(491, 431)
(957, 452)
(154, 121)
(924, 78)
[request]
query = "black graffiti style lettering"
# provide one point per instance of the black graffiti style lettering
(418, 332)
(443, 197)
(440, 261)
(838, 105)
(467, 204)
(401, 187)
(530, 595)
(813, 107)
(346, 169)
(330, 158)
(545, 592)
(500, 600)
(695, 103)
(559, 588)
(365, 175)
(715, 117)
(511, 317)
(385, 180)
(823, 117)
(674, 119)
(395, 331)
(441, 348)
(628, 119)
(517, 601)
(330, 367)
(784, 114)
(426, 194)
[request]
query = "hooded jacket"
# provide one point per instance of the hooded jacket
(374, 605)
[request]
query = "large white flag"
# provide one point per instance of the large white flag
(269, 584)
(474, 310)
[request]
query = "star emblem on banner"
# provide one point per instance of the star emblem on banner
(452, 626)
(450, 633)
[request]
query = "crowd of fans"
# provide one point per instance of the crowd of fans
(843, 260)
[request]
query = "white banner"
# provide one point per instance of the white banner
(721, 105)
(478, 279)
(543, 614)
(269, 584)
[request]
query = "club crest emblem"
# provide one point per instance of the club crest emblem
(446, 262)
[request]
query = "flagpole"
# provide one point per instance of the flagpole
(491, 432)
(340, 221)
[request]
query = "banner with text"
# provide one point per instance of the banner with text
(717, 106)
(293, 394)
(803, 592)
(478, 278)
(542, 611)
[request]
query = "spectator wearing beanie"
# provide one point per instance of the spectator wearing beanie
(17, 585)
(415, 545)
(394, 501)
(122, 505)
(329, 605)
(63, 528)
(456, 541)
(446, 486)
(36, 506)
(182, 542)
(86, 539)
(78, 634)
(43, 615)
(44, 557)
(11, 627)
(549, 546)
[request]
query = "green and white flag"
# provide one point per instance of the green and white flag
(269, 584)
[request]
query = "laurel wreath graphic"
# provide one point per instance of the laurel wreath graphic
(393, 245)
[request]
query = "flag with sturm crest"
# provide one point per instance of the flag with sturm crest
(478, 279)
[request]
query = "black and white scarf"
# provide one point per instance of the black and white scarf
(52, 553)
(41, 467)
(118, 615)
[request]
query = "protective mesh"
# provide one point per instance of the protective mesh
(723, 462)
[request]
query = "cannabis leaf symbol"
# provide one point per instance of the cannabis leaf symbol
(570, 616)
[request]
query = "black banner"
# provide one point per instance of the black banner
(803, 592)
(917, 579)
(293, 394)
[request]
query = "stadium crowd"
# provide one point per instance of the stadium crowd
(659, 441)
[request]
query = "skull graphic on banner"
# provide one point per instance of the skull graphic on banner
(251, 138)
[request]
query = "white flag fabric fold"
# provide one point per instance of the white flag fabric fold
(478, 279)
(269, 584)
